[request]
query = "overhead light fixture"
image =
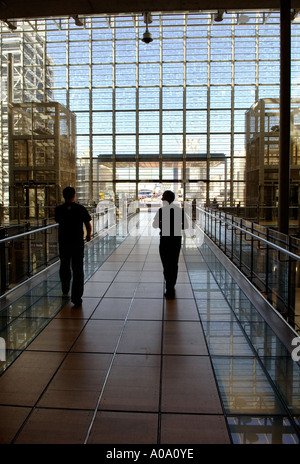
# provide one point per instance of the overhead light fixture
(219, 16)
(147, 37)
(10, 25)
(242, 18)
(294, 14)
(77, 20)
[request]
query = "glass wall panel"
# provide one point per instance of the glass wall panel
(196, 170)
(148, 171)
(184, 95)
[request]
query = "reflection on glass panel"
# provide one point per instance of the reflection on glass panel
(226, 337)
(149, 122)
(83, 145)
(196, 190)
(125, 144)
(196, 47)
(172, 144)
(196, 73)
(83, 123)
(102, 123)
(220, 97)
(79, 76)
(102, 99)
(149, 98)
(172, 98)
(220, 143)
(146, 78)
(172, 170)
(220, 191)
(221, 49)
(149, 145)
(125, 171)
(78, 52)
(125, 99)
(244, 387)
(125, 50)
(79, 99)
(196, 121)
(102, 75)
(101, 51)
(220, 121)
(127, 188)
(125, 74)
(244, 96)
(220, 73)
(262, 430)
(103, 170)
(102, 145)
(148, 170)
(172, 74)
(196, 144)
(126, 122)
(172, 121)
(196, 98)
(196, 170)
(245, 72)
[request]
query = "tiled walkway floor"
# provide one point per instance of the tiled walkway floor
(131, 367)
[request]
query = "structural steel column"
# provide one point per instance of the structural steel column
(285, 108)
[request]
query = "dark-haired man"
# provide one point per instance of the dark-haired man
(171, 220)
(71, 217)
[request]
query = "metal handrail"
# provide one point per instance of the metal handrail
(34, 231)
(40, 229)
(283, 250)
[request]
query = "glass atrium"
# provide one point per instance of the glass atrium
(216, 364)
(170, 113)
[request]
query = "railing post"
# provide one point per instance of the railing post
(291, 288)
(267, 267)
(3, 262)
(241, 238)
(225, 235)
(252, 254)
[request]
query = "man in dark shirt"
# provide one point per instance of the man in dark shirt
(170, 219)
(71, 216)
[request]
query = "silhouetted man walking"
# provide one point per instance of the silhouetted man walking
(171, 220)
(71, 217)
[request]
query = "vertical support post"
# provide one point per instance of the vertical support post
(285, 103)
(10, 97)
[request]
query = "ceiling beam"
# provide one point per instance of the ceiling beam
(18, 9)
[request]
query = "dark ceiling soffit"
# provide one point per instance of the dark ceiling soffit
(17, 9)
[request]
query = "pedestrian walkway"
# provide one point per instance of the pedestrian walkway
(131, 367)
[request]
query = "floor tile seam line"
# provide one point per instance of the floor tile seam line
(56, 312)
(34, 406)
(66, 353)
(90, 317)
(159, 428)
(256, 355)
(110, 365)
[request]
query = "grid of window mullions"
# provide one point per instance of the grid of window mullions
(213, 81)
(135, 76)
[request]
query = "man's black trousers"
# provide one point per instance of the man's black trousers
(71, 264)
(169, 249)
